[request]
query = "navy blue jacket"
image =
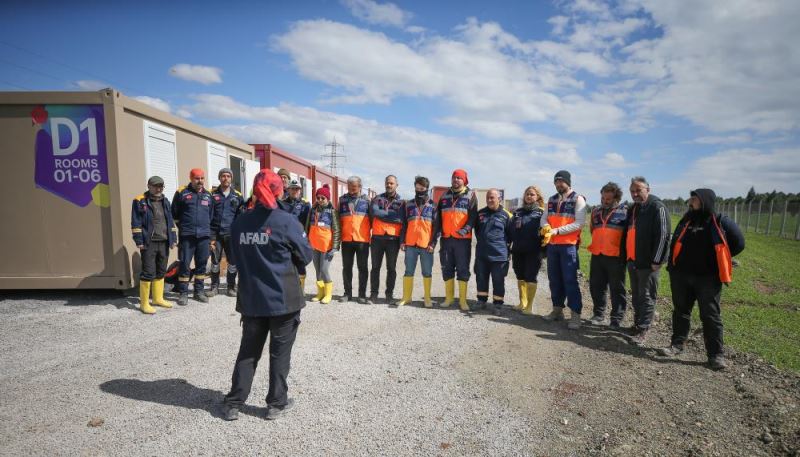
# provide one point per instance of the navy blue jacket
(142, 220)
(193, 212)
(267, 246)
(525, 226)
(493, 230)
(299, 208)
(226, 209)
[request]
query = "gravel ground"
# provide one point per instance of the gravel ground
(84, 373)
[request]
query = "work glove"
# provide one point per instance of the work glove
(546, 232)
(329, 254)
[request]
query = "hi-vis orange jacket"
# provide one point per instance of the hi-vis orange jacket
(419, 225)
(354, 218)
(456, 213)
(561, 213)
(387, 216)
(607, 230)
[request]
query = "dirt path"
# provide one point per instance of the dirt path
(371, 380)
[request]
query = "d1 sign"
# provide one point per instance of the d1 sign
(71, 152)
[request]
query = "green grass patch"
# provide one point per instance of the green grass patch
(760, 306)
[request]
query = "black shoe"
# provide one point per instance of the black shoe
(275, 412)
(183, 299)
(345, 298)
(230, 413)
(498, 310)
(615, 325)
(212, 292)
(671, 351)
(362, 300)
(640, 337)
(717, 362)
(373, 299)
(201, 297)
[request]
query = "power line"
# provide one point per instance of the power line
(333, 156)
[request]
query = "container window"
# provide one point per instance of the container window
(217, 160)
(160, 155)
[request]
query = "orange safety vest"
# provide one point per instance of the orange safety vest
(607, 232)
(419, 224)
(455, 213)
(320, 231)
(723, 253)
(394, 222)
(561, 213)
(354, 218)
(630, 237)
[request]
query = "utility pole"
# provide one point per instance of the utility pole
(333, 153)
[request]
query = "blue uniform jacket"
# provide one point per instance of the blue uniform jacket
(226, 209)
(387, 210)
(493, 230)
(142, 220)
(299, 208)
(267, 246)
(525, 227)
(193, 212)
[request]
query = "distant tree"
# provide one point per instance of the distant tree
(751, 194)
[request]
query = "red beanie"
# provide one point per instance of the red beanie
(325, 191)
(197, 173)
(461, 174)
(267, 187)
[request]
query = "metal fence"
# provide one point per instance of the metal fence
(770, 217)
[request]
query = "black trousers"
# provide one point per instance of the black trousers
(282, 331)
(644, 291)
(526, 265)
(360, 251)
(192, 247)
(378, 247)
(222, 246)
(706, 291)
(154, 260)
(454, 256)
(608, 273)
(497, 271)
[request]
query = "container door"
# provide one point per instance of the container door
(251, 169)
(160, 155)
(217, 160)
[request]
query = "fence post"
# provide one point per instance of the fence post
(758, 216)
(736, 213)
(769, 218)
(783, 219)
(749, 212)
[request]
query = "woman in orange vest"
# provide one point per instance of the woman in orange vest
(607, 268)
(324, 235)
(700, 263)
(419, 240)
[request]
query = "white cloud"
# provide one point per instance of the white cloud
(378, 13)
(198, 73)
(614, 160)
(156, 103)
(90, 85)
(184, 113)
(729, 139)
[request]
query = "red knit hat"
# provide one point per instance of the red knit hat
(325, 191)
(267, 187)
(460, 173)
(197, 173)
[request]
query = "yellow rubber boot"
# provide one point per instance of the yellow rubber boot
(449, 292)
(144, 298)
(408, 289)
(531, 293)
(328, 293)
(158, 294)
(523, 295)
(320, 291)
(303, 284)
(426, 283)
(462, 296)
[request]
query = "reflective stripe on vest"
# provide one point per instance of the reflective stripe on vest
(320, 233)
(561, 213)
(607, 233)
(721, 250)
(354, 220)
(455, 214)
(419, 228)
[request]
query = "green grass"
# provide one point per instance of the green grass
(760, 306)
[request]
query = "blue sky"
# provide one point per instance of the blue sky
(687, 93)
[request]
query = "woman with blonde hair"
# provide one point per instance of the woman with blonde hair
(526, 250)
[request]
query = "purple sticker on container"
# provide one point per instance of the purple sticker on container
(71, 152)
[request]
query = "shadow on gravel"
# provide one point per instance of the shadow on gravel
(80, 297)
(590, 336)
(175, 392)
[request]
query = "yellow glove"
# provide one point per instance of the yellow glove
(546, 232)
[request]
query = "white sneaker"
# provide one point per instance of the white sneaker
(557, 314)
(598, 320)
(574, 321)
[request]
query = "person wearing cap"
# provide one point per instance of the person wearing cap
(493, 230)
(295, 204)
(193, 211)
(228, 203)
(418, 236)
(456, 214)
(701, 261)
(386, 215)
(526, 246)
(561, 228)
(325, 236)
(606, 268)
(286, 177)
(154, 234)
(354, 220)
(268, 245)
(646, 249)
